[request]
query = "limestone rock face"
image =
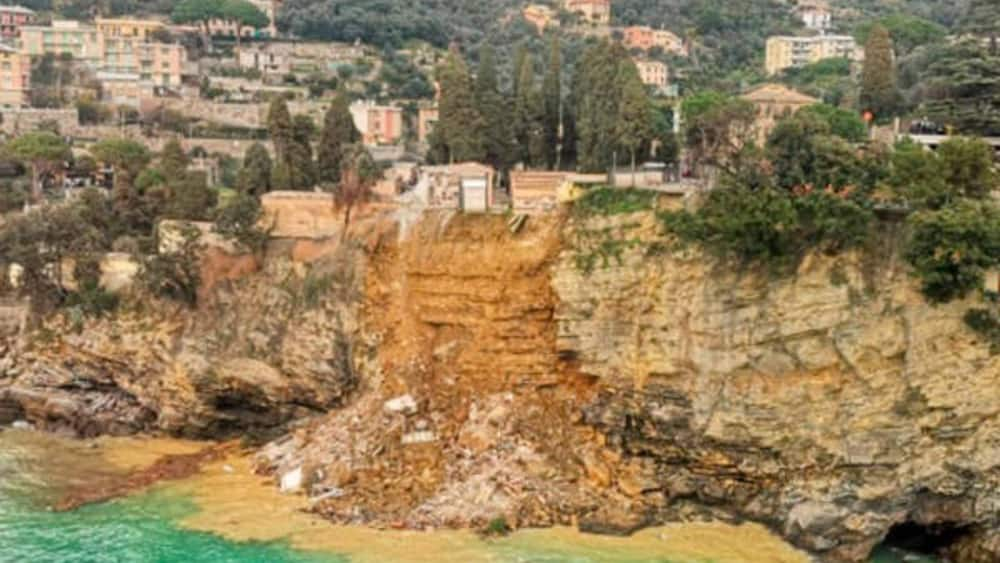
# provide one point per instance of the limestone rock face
(831, 404)
(255, 356)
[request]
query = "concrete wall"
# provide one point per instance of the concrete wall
(17, 121)
(301, 215)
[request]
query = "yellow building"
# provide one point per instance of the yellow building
(15, 78)
(540, 16)
(789, 52)
(653, 73)
(596, 12)
(128, 28)
(773, 102)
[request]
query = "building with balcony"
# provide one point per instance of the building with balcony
(126, 28)
(15, 78)
(13, 19)
(597, 12)
(791, 52)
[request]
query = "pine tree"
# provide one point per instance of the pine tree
(635, 116)
(879, 93)
(552, 102)
(339, 131)
(494, 110)
(255, 176)
(459, 121)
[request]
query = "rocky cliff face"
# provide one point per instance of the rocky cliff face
(271, 348)
(831, 405)
(468, 373)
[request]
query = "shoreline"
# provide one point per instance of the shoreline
(238, 505)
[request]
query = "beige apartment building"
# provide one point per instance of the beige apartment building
(653, 73)
(596, 12)
(15, 78)
(789, 52)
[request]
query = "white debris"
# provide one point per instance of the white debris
(291, 482)
(404, 404)
(22, 425)
(419, 437)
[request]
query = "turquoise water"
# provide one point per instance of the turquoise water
(35, 469)
(139, 529)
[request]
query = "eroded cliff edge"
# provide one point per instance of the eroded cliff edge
(465, 373)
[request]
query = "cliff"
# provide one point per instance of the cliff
(831, 405)
(581, 371)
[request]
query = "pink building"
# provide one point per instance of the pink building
(379, 125)
(12, 19)
(645, 38)
(15, 77)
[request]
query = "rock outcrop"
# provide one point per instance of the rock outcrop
(263, 351)
(831, 405)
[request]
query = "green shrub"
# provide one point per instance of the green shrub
(772, 227)
(176, 275)
(986, 323)
(497, 527)
(239, 221)
(613, 201)
(950, 249)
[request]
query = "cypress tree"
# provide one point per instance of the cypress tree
(486, 75)
(279, 126)
(339, 132)
(255, 176)
(525, 108)
(494, 109)
(459, 121)
(173, 160)
(596, 97)
(302, 168)
(635, 116)
(521, 55)
(879, 93)
(552, 102)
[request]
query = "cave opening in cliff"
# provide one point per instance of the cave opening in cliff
(929, 539)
